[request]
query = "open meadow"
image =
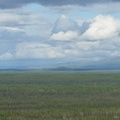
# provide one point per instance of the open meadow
(59, 96)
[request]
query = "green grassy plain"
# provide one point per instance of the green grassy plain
(59, 96)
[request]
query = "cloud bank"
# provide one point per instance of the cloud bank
(18, 3)
(34, 36)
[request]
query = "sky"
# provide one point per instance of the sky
(65, 30)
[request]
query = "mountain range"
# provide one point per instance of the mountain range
(61, 64)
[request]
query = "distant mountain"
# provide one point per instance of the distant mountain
(29, 63)
(60, 64)
(107, 64)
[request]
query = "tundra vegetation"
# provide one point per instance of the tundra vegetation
(59, 96)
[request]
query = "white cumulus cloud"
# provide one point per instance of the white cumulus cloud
(37, 50)
(65, 36)
(102, 28)
(65, 29)
(6, 56)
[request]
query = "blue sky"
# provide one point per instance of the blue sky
(67, 30)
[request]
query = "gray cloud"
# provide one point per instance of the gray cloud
(18, 3)
(64, 24)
